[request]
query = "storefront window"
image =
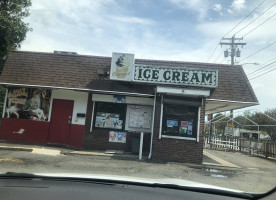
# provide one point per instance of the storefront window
(109, 115)
(180, 120)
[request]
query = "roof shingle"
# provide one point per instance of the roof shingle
(80, 71)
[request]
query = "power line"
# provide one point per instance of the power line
(255, 19)
(218, 56)
(235, 27)
(244, 18)
(212, 53)
(258, 51)
(253, 72)
(263, 73)
(259, 25)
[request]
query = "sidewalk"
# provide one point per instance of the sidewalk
(209, 160)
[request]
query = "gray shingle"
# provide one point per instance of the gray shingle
(80, 71)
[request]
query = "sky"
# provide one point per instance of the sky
(179, 30)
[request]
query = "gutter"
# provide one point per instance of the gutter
(152, 125)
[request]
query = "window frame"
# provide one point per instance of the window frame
(161, 135)
(93, 121)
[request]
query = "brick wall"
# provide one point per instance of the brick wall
(98, 139)
(176, 150)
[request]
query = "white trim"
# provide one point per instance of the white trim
(141, 145)
(5, 102)
(91, 127)
(161, 118)
(79, 89)
(230, 101)
(152, 126)
(198, 125)
(183, 91)
(176, 137)
(50, 108)
(129, 99)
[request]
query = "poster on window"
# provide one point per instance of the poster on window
(108, 120)
(190, 128)
(140, 116)
(28, 103)
(183, 129)
(172, 123)
(118, 137)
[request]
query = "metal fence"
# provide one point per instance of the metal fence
(253, 147)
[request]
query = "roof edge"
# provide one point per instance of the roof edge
(78, 89)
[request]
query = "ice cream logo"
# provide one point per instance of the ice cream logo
(123, 64)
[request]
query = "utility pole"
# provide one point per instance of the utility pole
(234, 52)
(233, 46)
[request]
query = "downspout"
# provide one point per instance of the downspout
(152, 125)
(5, 102)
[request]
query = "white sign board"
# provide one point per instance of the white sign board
(176, 75)
(122, 65)
(139, 118)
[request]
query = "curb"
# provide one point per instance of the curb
(16, 148)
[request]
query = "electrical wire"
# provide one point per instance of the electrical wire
(263, 73)
(235, 27)
(255, 19)
(244, 18)
(218, 56)
(212, 53)
(259, 51)
(259, 25)
(261, 69)
(257, 73)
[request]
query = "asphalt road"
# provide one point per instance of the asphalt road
(253, 175)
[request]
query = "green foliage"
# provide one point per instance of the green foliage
(12, 27)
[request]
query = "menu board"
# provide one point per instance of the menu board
(139, 117)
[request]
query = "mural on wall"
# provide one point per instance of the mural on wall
(28, 103)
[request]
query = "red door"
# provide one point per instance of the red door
(61, 118)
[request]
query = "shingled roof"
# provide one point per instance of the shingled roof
(80, 71)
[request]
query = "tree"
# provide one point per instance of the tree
(12, 27)
(260, 119)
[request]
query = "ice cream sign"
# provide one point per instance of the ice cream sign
(176, 75)
(123, 68)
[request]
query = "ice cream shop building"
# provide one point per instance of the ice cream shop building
(110, 103)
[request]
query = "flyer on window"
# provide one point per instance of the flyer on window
(172, 123)
(190, 129)
(118, 137)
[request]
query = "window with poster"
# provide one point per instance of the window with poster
(109, 115)
(180, 119)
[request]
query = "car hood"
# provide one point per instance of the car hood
(162, 181)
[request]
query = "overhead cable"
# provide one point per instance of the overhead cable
(244, 18)
(259, 25)
(261, 69)
(255, 19)
(235, 27)
(263, 73)
(259, 51)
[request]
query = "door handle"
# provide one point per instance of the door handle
(69, 121)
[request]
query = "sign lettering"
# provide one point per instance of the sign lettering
(175, 75)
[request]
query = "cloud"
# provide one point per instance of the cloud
(217, 7)
(198, 6)
(238, 5)
(134, 20)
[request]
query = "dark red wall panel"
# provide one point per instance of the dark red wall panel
(76, 135)
(22, 130)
